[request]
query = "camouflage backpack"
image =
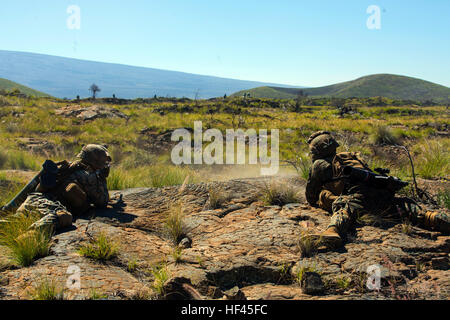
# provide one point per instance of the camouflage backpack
(352, 159)
(340, 160)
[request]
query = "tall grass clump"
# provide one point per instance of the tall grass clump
(433, 161)
(24, 245)
(217, 197)
(161, 275)
(307, 245)
(46, 290)
(384, 135)
(278, 194)
(101, 248)
(174, 225)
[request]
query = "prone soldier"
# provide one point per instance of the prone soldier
(344, 185)
(79, 185)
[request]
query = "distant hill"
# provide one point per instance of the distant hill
(385, 85)
(66, 77)
(6, 84)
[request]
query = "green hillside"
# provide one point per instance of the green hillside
(385, 85)
(8, 85)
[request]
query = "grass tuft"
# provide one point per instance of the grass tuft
(174, 225)
(278, 194)
(302, 269)
(24, 245)
(101, 248)
(161, 275)
(46, 290)
(217, 197)
(307, 245)
(384, 135)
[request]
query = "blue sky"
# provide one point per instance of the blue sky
(310, 43)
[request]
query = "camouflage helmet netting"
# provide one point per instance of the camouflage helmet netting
(94, 155)
(322, 144)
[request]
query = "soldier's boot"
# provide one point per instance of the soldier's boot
(330, 238)
(64, 219)
(437, 221)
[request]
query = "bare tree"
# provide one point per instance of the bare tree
(94, 88)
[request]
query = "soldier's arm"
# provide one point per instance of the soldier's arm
(320, 173)
(94, 185)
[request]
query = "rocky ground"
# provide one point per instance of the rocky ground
(242, 250)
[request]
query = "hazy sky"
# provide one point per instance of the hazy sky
(310, 43)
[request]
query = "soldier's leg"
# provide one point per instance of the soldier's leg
(345, 209)
(430, 220)
(326, 199)
(53, 214)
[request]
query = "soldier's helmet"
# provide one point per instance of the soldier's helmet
(95, 155)
(322, 145)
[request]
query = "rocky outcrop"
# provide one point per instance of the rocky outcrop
(90, 113)
(243, 250)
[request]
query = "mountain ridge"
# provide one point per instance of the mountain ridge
(385, 85)
(9, 85)
(69, 77)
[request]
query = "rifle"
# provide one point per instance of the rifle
(46, 177)
(373, 179)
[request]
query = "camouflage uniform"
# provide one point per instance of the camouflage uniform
(348, 201)
(88, 177)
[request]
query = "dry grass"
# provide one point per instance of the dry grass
(307, 245)
(278, 194)
(174, 225)
(217, 197)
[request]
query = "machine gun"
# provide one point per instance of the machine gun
(373, 179)
(46, 178)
